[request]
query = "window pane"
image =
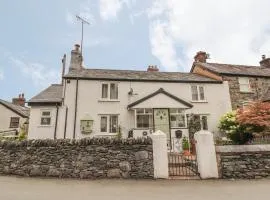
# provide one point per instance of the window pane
(45, 121)
(14, 122)
(114, 91)
(144, 121)
(243, 80)
(148, 110)
(204, 123)
(140, 111)
(103, 124)
(194, 91)
(104, 91)
(178, 120)
(113, 123)
(201, 92)
(46, 113)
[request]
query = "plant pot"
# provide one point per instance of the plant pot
(186, 153)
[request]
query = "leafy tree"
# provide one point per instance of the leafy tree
(256, 116)
(194, 125)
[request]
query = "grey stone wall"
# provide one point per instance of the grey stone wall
(85, 158)
(258, 86)
(243, 163)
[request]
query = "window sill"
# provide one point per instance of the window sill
(45, 126)
(108, 100)
(199, 101)
(106, 134)
(243, 92)
(178, 127)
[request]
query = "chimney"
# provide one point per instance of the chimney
(63, 67)
(201, 56)
(265, 62)
(20, 101)
(76, 59)
(152, 68)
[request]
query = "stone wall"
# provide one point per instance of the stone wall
(85, 158)
(259, 87)
(244, 161)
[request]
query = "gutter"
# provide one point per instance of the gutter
(76, 107)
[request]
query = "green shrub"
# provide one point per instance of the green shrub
(185, 143)
(239, 134)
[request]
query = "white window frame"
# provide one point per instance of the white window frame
(46, 116)
(17, 122)
(178, 112)
(198, 92)
(144, 113)
(108, 116)
(244, 81)
(108, 98)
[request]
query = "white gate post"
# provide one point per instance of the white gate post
(160, 155)
(206, 155)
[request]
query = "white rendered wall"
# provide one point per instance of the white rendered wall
(160, 155)
(5, 115)
(206, 155)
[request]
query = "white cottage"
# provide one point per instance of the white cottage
(13, 115)
(100, 102)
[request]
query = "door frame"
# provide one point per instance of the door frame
(169, 118)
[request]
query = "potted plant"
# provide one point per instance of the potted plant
(185, 146)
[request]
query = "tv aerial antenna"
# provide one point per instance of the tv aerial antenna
(83, 21)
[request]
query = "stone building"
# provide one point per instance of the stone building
(246, 83)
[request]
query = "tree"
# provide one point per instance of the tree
(256, 116)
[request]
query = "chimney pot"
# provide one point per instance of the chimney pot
(152, 68)
(201, 56)
(263, 57)
(265, 62)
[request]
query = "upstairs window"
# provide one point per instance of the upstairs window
(14, 122)
(45, 118)
(244, 84)
(197, 92)
(109, 91)
(144, 118)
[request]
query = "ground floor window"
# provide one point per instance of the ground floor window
(45, 118)
(109, 123)
(144, 118)
(198, 120)
(177, 117)
(14, 122)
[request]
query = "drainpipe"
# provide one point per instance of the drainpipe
(65, 130)
(56, 121)
(76, 105)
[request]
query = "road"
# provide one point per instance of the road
(13, 188)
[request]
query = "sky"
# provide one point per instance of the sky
(125, 34)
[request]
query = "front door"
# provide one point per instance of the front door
(162, 122)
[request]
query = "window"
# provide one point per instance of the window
(197, 92)
(244, 84)
(109, 91)
(109, 124)
(177, 117)
(45, 118)
(144, 118)
(14, 122)
(198, 120)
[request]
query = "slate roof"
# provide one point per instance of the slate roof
(20, 110)
(52, 94)
(241, 70)
(162, 91)
(132, 75)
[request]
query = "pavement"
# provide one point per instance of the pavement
(16, 188)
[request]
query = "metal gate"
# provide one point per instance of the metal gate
(182, 165)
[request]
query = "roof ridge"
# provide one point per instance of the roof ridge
(241, 65)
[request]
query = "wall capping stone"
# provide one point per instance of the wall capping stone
(242, 148)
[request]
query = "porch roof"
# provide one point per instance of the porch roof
(160, 99)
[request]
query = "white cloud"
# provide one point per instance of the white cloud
(40, 75)
(109, 9)
(1, 75)
(231, 31)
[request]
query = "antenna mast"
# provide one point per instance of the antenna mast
(83, 21)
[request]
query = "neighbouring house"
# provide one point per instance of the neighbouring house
(246, 83)
(105, 102)
(13, 115)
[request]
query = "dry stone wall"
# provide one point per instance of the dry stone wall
(86, 158)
